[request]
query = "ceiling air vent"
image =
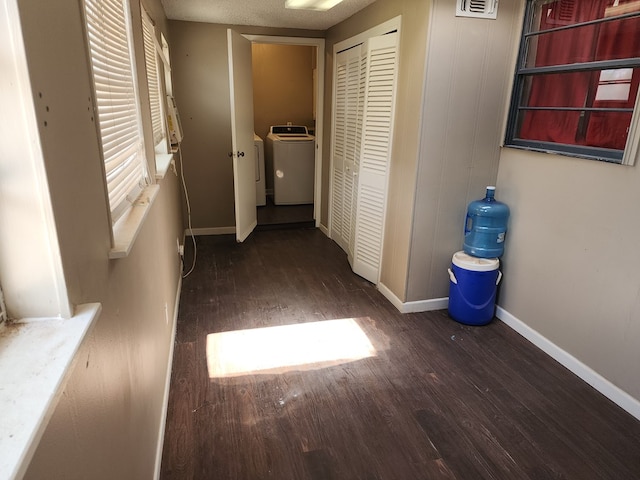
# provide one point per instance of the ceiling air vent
(477, 8)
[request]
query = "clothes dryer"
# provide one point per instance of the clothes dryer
(261, 198)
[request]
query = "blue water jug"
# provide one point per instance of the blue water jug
(486, 226)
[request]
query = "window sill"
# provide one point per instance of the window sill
(541, 147)
(163, 162)
(126, 229)
(36, 357)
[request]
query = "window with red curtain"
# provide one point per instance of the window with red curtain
(577, 78)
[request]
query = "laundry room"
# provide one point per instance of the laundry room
(283, 98)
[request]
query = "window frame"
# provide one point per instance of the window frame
(522, 72)
(153, 66)
(166, 61)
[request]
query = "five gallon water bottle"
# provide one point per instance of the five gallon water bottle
(486, 226)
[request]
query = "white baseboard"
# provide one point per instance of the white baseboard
(426, 305)
(167, 386)
(413, 307)
(211, 231)
(597, 381)
(324, 230)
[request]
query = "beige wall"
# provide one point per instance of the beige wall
(446, 152)
(282, 89)
(282, 86)
(201, 88)
(107, 422)
(404, 158)
(469, 65)
(570, 265)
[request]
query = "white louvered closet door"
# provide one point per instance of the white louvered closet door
(345, 147)
(358, 152)
(377, 129)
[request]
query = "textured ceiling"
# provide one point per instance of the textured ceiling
(264, 13)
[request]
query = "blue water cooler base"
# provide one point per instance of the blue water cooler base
(470, 315)
(472, 295)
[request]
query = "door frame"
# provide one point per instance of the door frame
(319, 43)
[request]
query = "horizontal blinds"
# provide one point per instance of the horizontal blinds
(151, 62)
(116, 102)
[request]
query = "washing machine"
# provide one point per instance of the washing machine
(291, 151)
(261, 197)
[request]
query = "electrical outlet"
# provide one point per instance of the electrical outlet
(180, 248)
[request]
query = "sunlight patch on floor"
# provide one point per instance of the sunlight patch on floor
(302, 346)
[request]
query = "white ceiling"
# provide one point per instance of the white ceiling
(263, 13)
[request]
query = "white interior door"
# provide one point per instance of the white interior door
(346, 147)
(375, 155)
(241, 95)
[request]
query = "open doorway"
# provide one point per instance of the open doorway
(287, 83)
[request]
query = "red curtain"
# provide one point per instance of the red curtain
(618, 39)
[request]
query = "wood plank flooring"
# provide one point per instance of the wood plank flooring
(272, 216)
(439, 400)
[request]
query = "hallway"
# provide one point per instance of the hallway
(432, 399)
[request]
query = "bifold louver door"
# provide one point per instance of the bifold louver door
(377, 128)
(365, 82)
(345, 147)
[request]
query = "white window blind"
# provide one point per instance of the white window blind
(153, 79)
(117, 104)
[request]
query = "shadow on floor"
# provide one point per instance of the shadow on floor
(273, 216)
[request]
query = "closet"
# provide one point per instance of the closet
(364, 97)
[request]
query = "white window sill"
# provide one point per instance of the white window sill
(36, 356)
(163, 162)
(126, 229)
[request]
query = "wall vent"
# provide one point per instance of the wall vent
(477, 8)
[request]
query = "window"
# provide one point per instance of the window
(577, 78)
(168, 84)
(151, 51)
(118, 108)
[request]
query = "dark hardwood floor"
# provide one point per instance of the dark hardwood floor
(439, 400)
